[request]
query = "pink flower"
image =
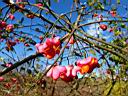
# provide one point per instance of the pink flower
(75, 70)
(72, 70)
(70, 73)
(56, 41)
(66, 73)
(50, 47)
(113, 13)
(84, 61)
(17, 1)
(87, 65)
(69, 70)
(11, 16)
(39, 5)
(111, 30)
(39, 48)
(56, 71)
(1, 79)
(8, 64)
(14, 80)
(10, 27)
(3, 24)
(41, 37)
(1, 40)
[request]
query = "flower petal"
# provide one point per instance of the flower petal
(84, 69)
(75, 70)
(69, 70)
(49, 73)
(55, 73)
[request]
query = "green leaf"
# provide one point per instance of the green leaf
(90, 3)
(101, 6)
(92, 52)
(0, 11)
(123, 25)
(118, 1)
(16, 25)
(1, 59)
(37, 1)
(105, 2)
(84, 54)
(13, 10)
(117, 33)
(56, 0)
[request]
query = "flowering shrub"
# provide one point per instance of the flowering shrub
(67, 73)
(23, 23)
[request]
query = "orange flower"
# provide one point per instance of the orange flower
(84, 69)
(87, 65)
(113, 13)
(50, 47)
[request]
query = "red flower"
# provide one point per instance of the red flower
(95, 15)
(7, 85)
(87, 65)
(66, 73)
(41, 37)
(111, 30)
(3, 24)
(50, 47)
(100, 17)
(103, 27)
(30, 16)
(72, 41)
(14, 80)
(113, 13)
(71, 73)
(21, 6)
(11, 16)
(26, 44)
(56, 71)
(10, 27)
(39, 5)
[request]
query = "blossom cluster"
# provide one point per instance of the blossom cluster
(50, 47)
(8, 28)
(68, 73)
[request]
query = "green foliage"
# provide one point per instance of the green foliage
(118, 1)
